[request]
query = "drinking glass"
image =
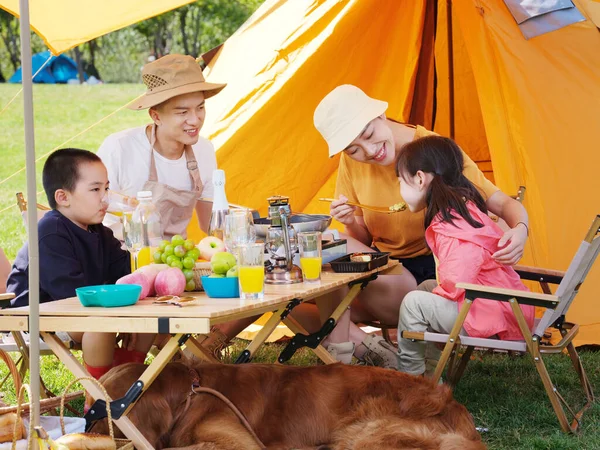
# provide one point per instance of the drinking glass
(239, 229)
(251, 270)
(310, 255)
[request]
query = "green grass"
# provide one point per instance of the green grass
(503, 393)
(60, 112)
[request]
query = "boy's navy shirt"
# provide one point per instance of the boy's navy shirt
(70, 257)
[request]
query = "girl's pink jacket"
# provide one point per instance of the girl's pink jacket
(464, 255)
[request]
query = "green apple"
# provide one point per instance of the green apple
(216, 275)
(221, 262)
(233, 272)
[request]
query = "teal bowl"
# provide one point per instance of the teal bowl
(221, 287)
(109, 295)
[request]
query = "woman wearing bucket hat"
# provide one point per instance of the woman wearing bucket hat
(168, 156)
(355, 125)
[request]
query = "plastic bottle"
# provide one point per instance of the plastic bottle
(144, 234)
(220, 206)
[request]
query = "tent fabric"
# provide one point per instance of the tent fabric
(60, 69)
(64, 24)
(525, 110)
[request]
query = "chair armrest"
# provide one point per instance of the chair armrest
(474, 291)
(538, 274)
(5, 299)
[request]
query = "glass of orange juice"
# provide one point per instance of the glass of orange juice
(251, 270)
(310, 255)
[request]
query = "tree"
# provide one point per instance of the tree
(9, 32)
(158, 32)
(205, 24)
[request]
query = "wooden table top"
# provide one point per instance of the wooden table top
(205, 307)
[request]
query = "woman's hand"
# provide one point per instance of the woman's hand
(343, 212)
(512, 245)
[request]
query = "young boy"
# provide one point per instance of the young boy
(76, 250)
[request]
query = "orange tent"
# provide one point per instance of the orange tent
(526, 110)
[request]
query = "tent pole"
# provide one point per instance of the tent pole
(450, 69)
(34, 268)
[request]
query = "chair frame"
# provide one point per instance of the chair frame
(556, 308)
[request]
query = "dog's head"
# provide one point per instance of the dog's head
(158, 407)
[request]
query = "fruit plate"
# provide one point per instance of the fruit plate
(218, 287)
(344, 264)
(109, 295)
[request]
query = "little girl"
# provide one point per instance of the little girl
(463, 239)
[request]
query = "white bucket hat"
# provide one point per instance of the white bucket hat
(342, 115)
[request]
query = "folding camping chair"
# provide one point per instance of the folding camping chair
(556, 307)
(385, 328)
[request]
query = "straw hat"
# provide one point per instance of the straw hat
(342, 115)
(170, 76)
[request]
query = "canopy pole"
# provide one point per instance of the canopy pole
(450, 69)
(32, 232)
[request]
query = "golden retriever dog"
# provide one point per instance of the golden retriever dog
(337, 407)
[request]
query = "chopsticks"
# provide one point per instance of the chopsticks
(379, 209)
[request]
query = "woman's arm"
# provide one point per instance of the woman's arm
(515, 215)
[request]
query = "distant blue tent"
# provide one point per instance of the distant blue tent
(60, 69)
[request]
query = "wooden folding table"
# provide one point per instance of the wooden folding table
(181, 322)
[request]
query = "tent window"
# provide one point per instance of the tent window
(535, 17)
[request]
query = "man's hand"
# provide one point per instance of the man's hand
(512, 245)
(343, 212)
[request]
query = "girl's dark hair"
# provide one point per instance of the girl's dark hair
(450, 189)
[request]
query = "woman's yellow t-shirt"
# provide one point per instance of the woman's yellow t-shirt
(402, 234)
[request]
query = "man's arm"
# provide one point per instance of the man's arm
(514, 214)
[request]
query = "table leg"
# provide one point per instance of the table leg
(24, 349)
(314, 340)
(264, 333)
(67, 358)
(320, 351)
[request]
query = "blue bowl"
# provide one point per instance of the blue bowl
(221, 287)
(109, 295)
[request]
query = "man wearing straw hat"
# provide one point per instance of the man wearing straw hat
(168, 156)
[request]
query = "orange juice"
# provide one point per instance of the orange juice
(311, 267)
(252, 279)
(143, 259)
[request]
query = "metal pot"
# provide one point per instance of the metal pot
(301, 222)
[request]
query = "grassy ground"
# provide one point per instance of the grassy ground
(503, 393)
(61, 112)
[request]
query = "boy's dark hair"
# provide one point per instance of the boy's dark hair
(450, 189)
(61, 170)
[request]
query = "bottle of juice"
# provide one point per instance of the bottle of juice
(144, 234)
